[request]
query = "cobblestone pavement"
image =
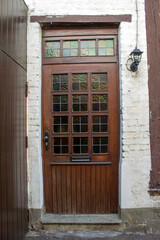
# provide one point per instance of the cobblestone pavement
(95, 235)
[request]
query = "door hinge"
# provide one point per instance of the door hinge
(26, 89)
(26, 141)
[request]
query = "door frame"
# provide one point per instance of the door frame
(107, 30)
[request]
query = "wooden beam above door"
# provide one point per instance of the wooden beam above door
(82, 19)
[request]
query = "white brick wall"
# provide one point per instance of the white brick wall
(135, 162)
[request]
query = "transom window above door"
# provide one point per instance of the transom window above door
(80, 114)
(80, 47)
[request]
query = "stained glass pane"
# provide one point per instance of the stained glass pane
(60, 103)
(79, 81)
(109, 51)
(79, 103)
(60, 124)
(99, 81)
(100, 145)
(60, 145)
(106, 47)
(60, 82)
(99, 102)
(70, 48)
(88, 48)
(80, 124)
(52, 49)
(109, 43)
(80, 145)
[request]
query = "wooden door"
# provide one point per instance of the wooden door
(80, 135)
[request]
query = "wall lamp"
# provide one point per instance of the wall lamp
(134, 59)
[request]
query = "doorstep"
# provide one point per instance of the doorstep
(80, 219)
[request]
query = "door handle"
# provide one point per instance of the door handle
(46, 140)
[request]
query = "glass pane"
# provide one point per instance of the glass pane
(64, 141)
(76, 141)
(106, 47)
(64, 107)
(88, 48)
(100, 145)
(76, 128)
(80, 124)
(84, 108)
(80, 145)
(97, 123)
(96, 140)
(56, 129)
(60, 124)
(70, 48)
(84, 128)
(64, 99)
(104, 149)
(48, 53)
(57, 150)
(95, 128)
(84, 119)
(60, 82)
(104, 128)
(79, 103)
(79, 81)
(60, 145)
(60, 103)
(104, 140)
(52, 49)
(56, 107)
(109, 43)
(64, 128)
(99, 102)
(76, 149)
(96, 149)
(64, 149)
(109, 52)
(84, 149)
(95, 107)
(84, 140)
(99, 81)
(56, 141)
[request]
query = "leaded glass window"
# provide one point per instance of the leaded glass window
(80, 103)
(99, 102)
(60, 145)
(88, 48)
(60, 124)
(60, 103)
(99, 81)
(80, 145)
(70, 48)
(80, 48)
(79, 81)
(60, 82)
(52, 49)
(100, 145)
(80, 124)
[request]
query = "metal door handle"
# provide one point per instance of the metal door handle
(46, 140)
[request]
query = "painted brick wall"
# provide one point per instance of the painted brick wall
(135, 161)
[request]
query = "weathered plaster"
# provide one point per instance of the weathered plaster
(135, 162)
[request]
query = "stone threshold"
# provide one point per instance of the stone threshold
(80, 219)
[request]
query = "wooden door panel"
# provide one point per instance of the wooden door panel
(81, 187)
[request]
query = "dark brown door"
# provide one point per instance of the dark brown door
(80, 128)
